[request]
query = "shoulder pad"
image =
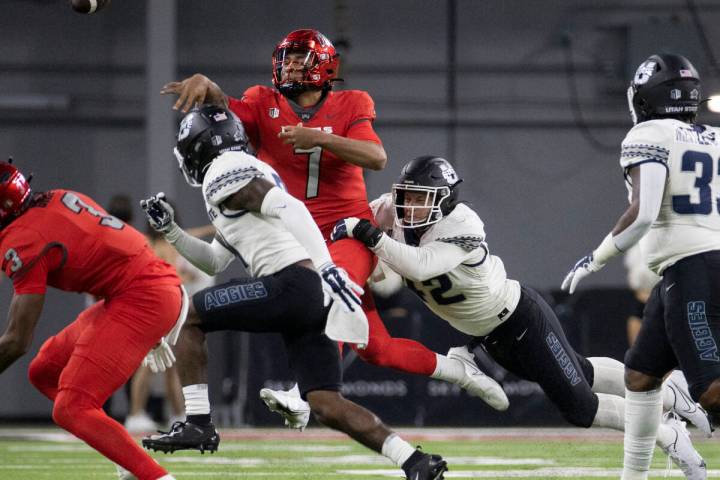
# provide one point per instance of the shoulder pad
(228, 174)
(647, 142)
(462, 227)
(360, 102)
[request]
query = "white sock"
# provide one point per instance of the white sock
(166, 477)
(642, 419)
(610, 413)
(197, 401)
(397, 449)
(448, 369)
(609, 376)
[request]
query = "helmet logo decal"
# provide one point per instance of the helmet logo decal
(675, 94)
(686, 73)
(185, 127)
(449, 173)
(216, 140)
(220, 116)
(273, 112)
(644, 72)
(694, 94)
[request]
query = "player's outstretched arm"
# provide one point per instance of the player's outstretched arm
(211, 258)
(24, 313)
(648, 180)
(195, 90)
(414, 263)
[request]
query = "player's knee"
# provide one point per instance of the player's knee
(43, 374)
(62, 413)
(375, 353)
(68, 408)
(639, 382)
(582, 417)
(582, 411)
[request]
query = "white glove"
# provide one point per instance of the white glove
(162, 357)
(160, 215)
(159, 358)
(584, 267)
(338, 287)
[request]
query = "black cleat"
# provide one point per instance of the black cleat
(430, 467)
(184, 436)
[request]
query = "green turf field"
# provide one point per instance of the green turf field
(27, 454)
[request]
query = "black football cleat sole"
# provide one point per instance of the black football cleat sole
(167, 448)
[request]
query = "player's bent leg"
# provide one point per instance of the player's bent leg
(47, 366)
(107, 352)
(643, 411)
(333, 410)
(79, 413)
(401, 354)
(382, 350)
(197, 432)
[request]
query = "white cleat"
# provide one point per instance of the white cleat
(476, 382)
(682, 452)
(685, 406)
(290, 405)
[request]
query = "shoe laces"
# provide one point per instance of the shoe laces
(175, 427)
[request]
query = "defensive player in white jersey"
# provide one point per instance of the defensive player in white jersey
(671, 170)
(439, 246)
(290, 267)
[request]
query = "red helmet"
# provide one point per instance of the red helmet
(14, 192)
(321, 62)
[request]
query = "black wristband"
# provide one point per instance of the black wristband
(367, 233)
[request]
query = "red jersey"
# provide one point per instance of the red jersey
(67, 241)
(330, 188)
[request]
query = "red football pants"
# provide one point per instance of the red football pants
(383, 350)
(80, 367)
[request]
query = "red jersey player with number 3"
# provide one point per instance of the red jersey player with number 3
(63, 239)
(319, 141)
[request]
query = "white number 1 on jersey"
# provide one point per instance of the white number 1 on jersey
(313, 181)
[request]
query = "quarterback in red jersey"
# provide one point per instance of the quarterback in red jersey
(319, 141)
(63, 239)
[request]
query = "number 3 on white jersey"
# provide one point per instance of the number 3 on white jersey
(313, 181)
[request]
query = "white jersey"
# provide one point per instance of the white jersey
(475, 296)
(689, 218)
(262, 243)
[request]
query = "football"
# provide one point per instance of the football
(89, 6)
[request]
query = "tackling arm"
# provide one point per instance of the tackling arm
(23, 316)
(419, 263)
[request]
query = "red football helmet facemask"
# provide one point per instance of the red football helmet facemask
(309, 51)
(14, 192)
